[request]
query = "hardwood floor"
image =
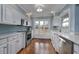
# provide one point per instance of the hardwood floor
(39, 46)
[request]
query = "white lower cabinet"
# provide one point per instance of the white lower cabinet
(24, 39)
(3, 49)
(11, 47)
(16, 43)
(12, 44)
(3, 46)
(61, 45)
(21, 39)
(56, 42)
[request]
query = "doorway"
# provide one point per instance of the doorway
(41, 28)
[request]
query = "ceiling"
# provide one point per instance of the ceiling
(30, 8)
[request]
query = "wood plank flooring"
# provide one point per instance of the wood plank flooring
(39, 46)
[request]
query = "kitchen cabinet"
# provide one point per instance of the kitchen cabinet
(11, 47)
(7, 14)
(17, 17)
(13, 43)
(20, 37)
(3, 46)
(11, 15)
(56, 21)
(16, 43)
(56, 42)
(23, 39)
(61, 44)
(3, 49)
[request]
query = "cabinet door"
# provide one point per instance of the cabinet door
(17, 17)
(11, 47)
(7, 14)
(56, 42)
(21, 40)
(3, 49)
(24, 42)
(11, 15)
(0, 12)
(17, 45)
(56, 21)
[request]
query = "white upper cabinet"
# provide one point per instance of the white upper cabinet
(11, 15)
(0, 12)
(7, 14)
(56, 21)
(16, 17)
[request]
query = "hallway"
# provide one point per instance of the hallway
(39, 46)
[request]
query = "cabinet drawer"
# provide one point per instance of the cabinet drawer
(3, 41)
(14, 37)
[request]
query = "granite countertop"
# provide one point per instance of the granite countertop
(3, 35)
(74, 38)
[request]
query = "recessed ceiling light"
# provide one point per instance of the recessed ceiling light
(39, 10)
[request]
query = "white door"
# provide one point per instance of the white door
(41, 29)
(3, 49)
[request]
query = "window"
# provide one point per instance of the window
(36, 22)
(41, 25)
(46, 23)
(65, 22)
